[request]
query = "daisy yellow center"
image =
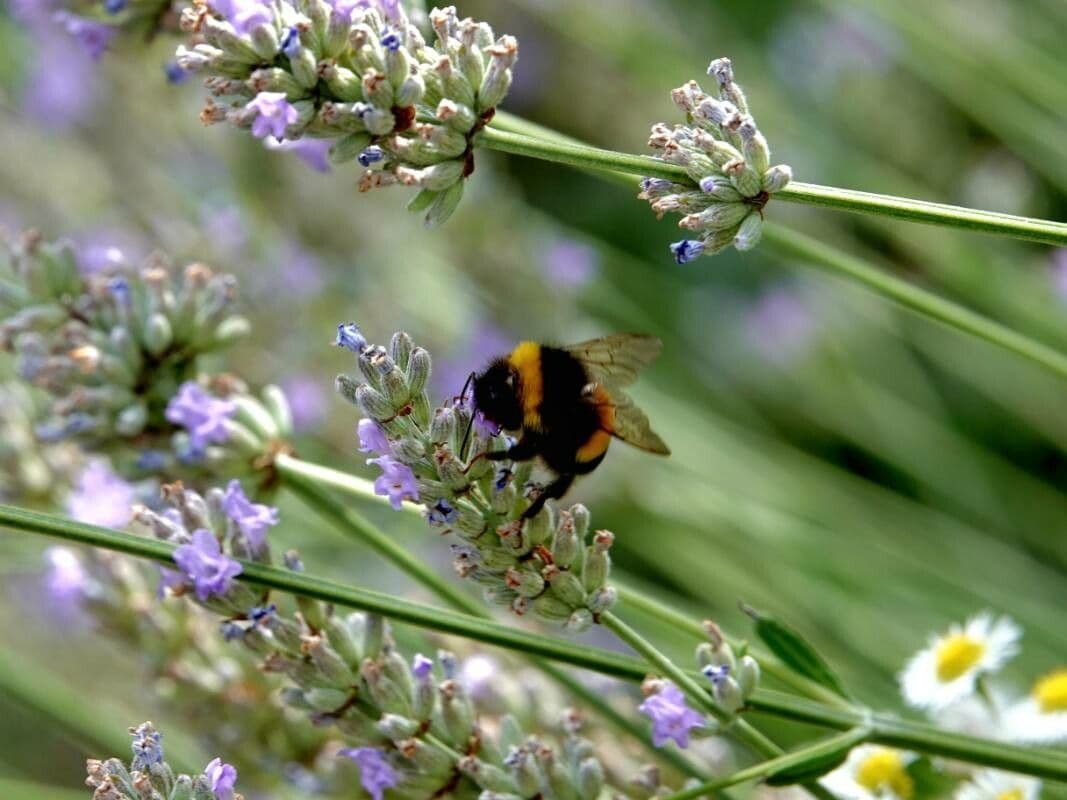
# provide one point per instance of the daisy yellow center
(957, 655)
(883, 771)
(1051, 691)
(1011, 794)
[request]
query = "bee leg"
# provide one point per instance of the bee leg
(554, 490)
(523, 450)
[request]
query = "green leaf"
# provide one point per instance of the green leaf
(795, 651)
(816, 760)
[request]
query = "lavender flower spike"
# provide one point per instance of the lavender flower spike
(204, 563)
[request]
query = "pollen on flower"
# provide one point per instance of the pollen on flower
(957, 655)
(1011, 794)
(1050, 692)
(884, 771)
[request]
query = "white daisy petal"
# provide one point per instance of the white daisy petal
(991, 784)
(872, 772)
(1042, 716)
(947, 669)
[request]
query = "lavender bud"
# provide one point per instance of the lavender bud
(567, 588)
(748, 675)
(580, 621)
(457, 713)
(749, 232)
(777, 178)
(444, 204)
(395, 727)
(373, 403)
(418, 373)
(590, 779)
(487, 776)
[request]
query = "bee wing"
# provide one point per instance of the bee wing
(632, 426)
(615, 360)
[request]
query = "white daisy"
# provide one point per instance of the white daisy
(991, 784)
(946, 670)
(1042, 715)
(872, 772)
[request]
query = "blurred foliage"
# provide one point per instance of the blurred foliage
(861, 473)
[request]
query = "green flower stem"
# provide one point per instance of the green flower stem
(563, 152)
(770, 665)
(885, 728)
(807, 754)
(812, 251)
(830, 259)
(306, 481)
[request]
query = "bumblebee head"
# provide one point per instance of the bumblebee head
(496, 395)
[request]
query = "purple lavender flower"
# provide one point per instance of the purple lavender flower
(372, 438)
(570, 264)
(391, 41)
(716, 673)
(687, 250)
(291, 43)
(421, 666)
(350, 338)
(94, 37)
(442, 513)
(252, 519)
(274, 114)
(476, 674)
(371, 155)
(202, 415)
(222, 778)
(67, 579)
(244, 15)
(397, 481)
(174, 72)
(147, 747)
(375, 773)
(307, 401)
(671, 717)
(313, 152)
(100, 497)
(203, 562)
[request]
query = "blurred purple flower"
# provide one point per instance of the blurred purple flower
(105, 248)
(817, 50)
(244, 15)
(204, 563)
(671, 718)
(375, 773)
(273, 114)
(222, 778)
(202, 415)
(397, 481)
(476, 675)
(94, 37)
(300, 271)
(570, 264)
(485, 341)
(100, 497)
(313, 152)
(252, 519)
(66, 579)
(147, 747)
(307, 400)
(51, 96)
(780, 325)
(1058, 272)
(224, 226)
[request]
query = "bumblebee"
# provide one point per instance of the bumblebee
(567, 403)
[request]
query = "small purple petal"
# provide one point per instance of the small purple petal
(375, 773)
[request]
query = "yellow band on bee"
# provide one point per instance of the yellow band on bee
(526, 360)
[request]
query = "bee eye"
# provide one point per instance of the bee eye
(510, 381)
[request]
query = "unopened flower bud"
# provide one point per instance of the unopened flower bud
(777, 178)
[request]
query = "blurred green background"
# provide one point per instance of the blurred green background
(862, 473)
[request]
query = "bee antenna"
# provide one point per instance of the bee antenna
(470, 422)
